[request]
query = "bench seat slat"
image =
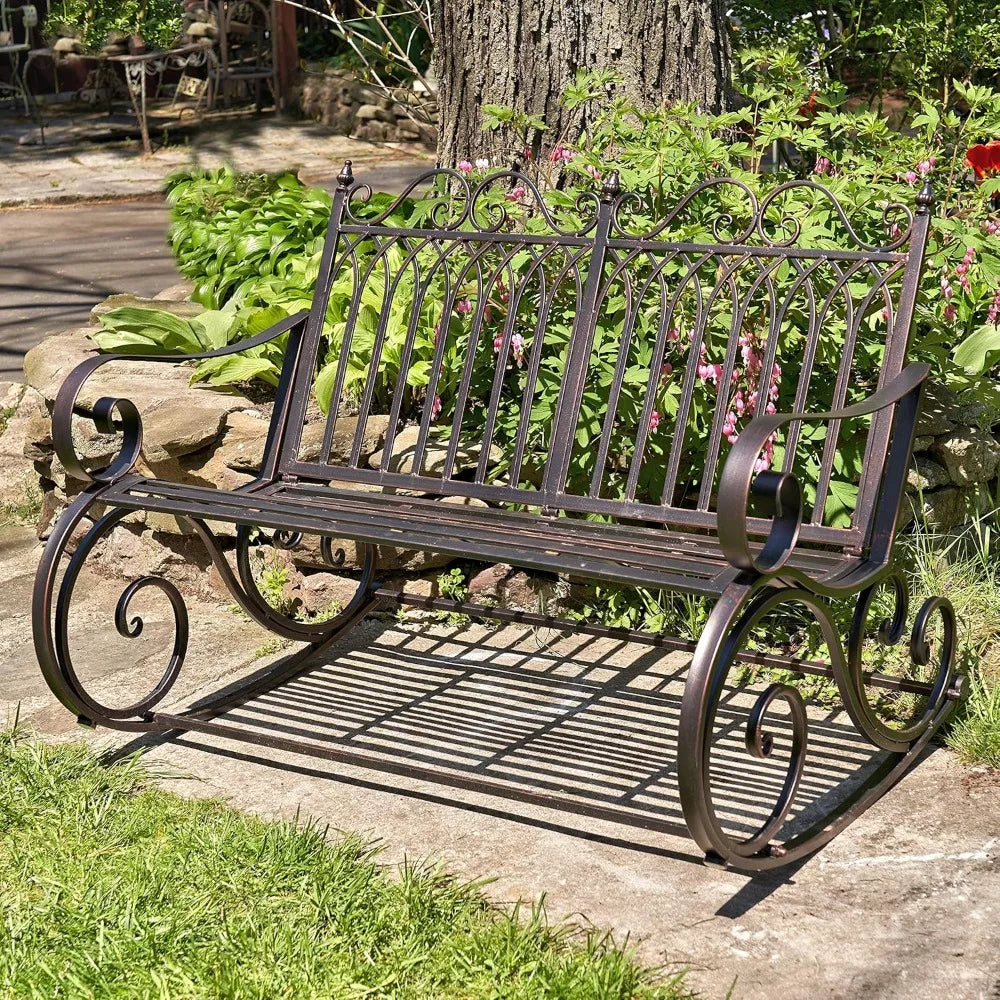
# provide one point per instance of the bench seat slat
(652, 557)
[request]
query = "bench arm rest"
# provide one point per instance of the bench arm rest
(780, 490)
(129, 422)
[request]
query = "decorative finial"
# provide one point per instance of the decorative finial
(925, 198)
(612, 186)
(346, 176)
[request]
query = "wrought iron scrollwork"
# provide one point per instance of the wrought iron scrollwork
(243, 585)
(890, 632)
(120, 416)
(459, 202)
(762, 219)
(53, 597)
(51, 626)
(736, 615)
(741, 610)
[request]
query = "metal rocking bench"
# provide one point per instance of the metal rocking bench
(669, 356)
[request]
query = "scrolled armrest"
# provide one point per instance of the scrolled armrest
(129, 422)
(781, 491)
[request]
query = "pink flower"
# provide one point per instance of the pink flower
(710, 373)
(822, 166)
(665, 369)
(673, 334)
(465, 166)
(654, 421)
(991, 227)
(925, 167)
(498, 343)
(435, 407)
(517, 193)
(949, 312)
(463, 306)
(593, 171)
(910, 177)
(994, 314)
(517, 348)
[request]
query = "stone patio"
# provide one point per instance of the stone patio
(73, 167)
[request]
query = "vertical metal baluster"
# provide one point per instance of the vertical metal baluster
(292, 430)
(897, 347)
(844, 377)
(621, 365)
(546, 303)
(740, 312)
(483, 290)
(360, 282)
(580, 345)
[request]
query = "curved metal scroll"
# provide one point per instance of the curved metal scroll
(243, 585)
(763, 219)
(464, 203)
(51, 624)
(890, 632)
(53, 597)
(744, 607)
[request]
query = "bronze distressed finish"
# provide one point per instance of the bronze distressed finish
(738, 533)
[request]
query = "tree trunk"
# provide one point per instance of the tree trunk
(521, 53)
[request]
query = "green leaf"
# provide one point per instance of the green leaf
(236, 368)
(974, 352)
(212, 328)
(840, 503)
(324, 386)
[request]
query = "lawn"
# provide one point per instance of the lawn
(115, 888)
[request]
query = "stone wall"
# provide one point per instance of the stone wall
(213, 437)
(956, 457)
(346, 104)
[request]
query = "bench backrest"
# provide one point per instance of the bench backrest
(584, 359)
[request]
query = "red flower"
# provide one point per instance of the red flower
(984, 158)
(811, 107)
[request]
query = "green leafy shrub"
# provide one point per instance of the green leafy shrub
(158, 22)
(879, 48)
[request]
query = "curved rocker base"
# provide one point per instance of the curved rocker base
(742, 607)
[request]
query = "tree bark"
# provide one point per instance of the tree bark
(522, 53)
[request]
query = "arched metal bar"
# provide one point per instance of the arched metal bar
(890, 632)
(50, 621)
(246, 593)
(129, 424)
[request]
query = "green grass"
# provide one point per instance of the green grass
(114, 888)
(975, 737)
